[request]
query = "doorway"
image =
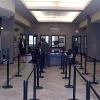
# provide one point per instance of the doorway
(32, 41)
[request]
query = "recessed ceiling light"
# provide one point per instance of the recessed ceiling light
(67, 17)
(39, 7)
(51, 4)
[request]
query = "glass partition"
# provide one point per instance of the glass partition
(46, 37)
(61, 41)
(30, 40)
(58, 41)
(55, 41)
(76, 43)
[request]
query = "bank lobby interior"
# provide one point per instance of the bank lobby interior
(63, 24)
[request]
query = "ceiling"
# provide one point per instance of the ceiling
(90, 9)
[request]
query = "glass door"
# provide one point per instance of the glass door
(76, 43)
(46, 37)
(32, 41)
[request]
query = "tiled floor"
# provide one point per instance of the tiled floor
(53, 84)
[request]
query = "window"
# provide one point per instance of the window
(58, 41)
(30, 40)
(46, 37)
(55, 42)
(61, 41)
(35, 39)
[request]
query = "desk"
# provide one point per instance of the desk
(55, 59)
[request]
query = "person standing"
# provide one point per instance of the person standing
(44, 49)
(22, 50)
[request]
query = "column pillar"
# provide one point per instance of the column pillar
(88, 29)
(7, 36)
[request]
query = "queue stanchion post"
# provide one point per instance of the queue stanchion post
(88, 90)
(81, 65)
(85, 69)
(63, 64)
(7, 86)
(69, 79)
(34, 85)
(66, 68)
(25, 90)
(38, 81)
(18, 72)
(74, 85)
(94, 73)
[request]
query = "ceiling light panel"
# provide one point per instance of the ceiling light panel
(66, 17)
(57, 4)
(50, 10)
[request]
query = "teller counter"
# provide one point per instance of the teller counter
(55, 59)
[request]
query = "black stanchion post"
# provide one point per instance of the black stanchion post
(63, 63)
(7, 85)
(66, 77)
(85, 70)
(87, 90)
(34, 87)
(24, 87)
(18, 72)
(38, 83)
(74, 84)
(69, 81)
(81, 67)
(94, 73)
(25, 90)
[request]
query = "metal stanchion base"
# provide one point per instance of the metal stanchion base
(68, 86)
(7, 87)
(85, 73)
(18, 75)
(65, 77)
(39, 87)
(62, 73)
(94, 82)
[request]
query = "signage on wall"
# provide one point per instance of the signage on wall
(55, 28)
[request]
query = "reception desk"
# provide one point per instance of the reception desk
(55, 59)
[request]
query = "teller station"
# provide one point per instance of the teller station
(57, 45)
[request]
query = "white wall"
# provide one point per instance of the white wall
(67, 29)
(94, 18)
(16, 38)
(22, 20)
(7, 36)
(7, 8)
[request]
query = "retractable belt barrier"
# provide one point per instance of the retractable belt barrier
(7, 86)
